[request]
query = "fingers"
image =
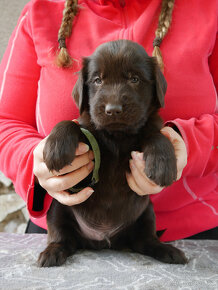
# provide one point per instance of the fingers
(82, 148)
(138, 179)
(78, 162)
(133, 185)
(72, 199)
(63, 182)
(41, 170)
(55, 183)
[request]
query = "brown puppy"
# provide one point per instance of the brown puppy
(119, 91)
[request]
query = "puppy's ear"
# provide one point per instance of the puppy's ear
(160, 83)
(80, 90)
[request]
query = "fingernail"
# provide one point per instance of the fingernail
(165, 133)
(83, 148)
(137, 155)
(90, 165)
(89, 192)
(131, 162)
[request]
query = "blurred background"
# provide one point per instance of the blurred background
(13, 213)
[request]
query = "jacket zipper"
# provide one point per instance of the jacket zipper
(125, 17)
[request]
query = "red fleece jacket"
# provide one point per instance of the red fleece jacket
(35, 95)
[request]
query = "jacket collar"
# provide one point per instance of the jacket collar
(104, 2)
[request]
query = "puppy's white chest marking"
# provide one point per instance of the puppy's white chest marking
(95, 231)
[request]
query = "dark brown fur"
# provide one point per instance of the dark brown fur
(119, 91)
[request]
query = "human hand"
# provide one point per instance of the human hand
(56, 183)
(137, 179)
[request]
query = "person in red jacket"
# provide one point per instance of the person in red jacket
(35, 94)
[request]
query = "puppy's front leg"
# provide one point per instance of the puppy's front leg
(160, 159)
(62, 241)
(61, 145)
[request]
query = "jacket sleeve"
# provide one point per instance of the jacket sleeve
(201, 134)
(19, 74)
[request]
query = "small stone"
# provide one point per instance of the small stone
(6, 181)
(21, 228)
(11, 227)
(10, 203)
(25, 213)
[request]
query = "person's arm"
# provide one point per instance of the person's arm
(201, 134)
(200, 137)
(21, 146)
(19, 74)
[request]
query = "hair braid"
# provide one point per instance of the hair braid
(71, 8)
(163, 27)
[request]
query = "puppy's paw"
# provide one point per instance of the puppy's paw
(53, 255)
(61, 145)
(160, 162)
(169, 254)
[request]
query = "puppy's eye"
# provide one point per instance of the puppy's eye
(134, 79)
(98, 81)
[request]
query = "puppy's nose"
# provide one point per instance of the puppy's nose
(113, 109)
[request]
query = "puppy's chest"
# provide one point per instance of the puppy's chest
(113, 205)
(113, 170)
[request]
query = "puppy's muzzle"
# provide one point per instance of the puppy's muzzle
(113, 109)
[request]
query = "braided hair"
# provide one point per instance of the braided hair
(71, 8)
(70, 11)
(162, 29)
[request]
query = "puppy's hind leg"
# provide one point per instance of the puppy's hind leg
(143, 240)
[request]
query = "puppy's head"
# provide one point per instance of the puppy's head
(119, 86)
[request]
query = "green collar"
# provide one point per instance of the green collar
(97, 156)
